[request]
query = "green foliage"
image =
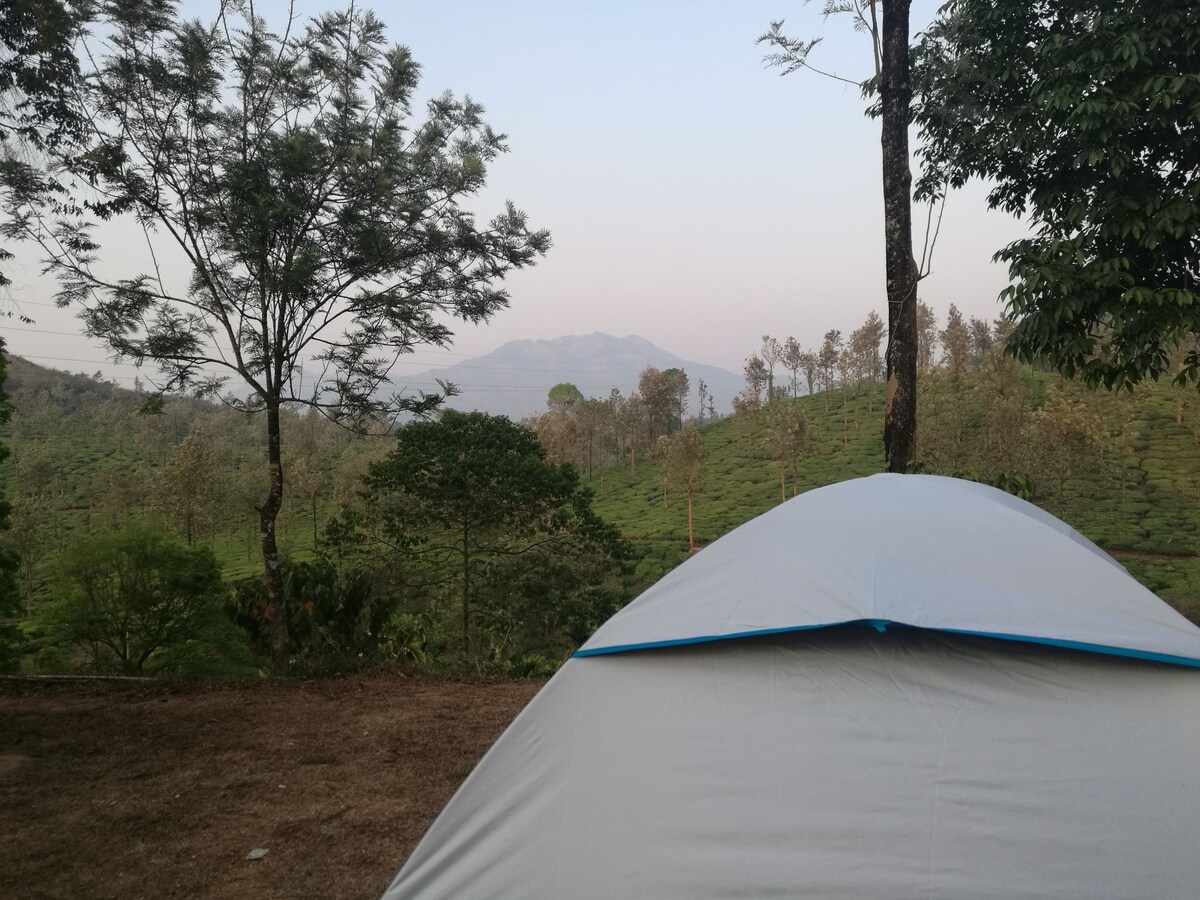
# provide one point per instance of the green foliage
(9, 561)
(468, 508)
(337, 620)
(38, 71)
(1084, 117)
(137, 602)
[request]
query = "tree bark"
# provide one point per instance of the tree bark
(466, 591)
(900, 413)
(267, 514)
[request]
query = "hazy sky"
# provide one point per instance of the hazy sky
(695, 197)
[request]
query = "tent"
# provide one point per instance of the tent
(902, 686)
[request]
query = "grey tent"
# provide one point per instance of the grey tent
(895, 687)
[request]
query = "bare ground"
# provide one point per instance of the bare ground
(160, 790)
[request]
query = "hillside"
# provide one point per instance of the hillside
(84, 459)
(1137, 497)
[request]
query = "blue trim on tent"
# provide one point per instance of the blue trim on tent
(881, 625)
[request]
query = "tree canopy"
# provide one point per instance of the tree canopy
(1086, 118)
(323, 228)
(461, 498)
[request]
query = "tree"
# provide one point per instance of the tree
(756, 380)
(864, 345)
(982, 340)
(678, 383)
(321, 227)
(702, 399)
(460, 494)
(189, 486)
(892, 82)
(827, 359)
(134, 597)
(787, 432)
(562, 397)
(771, 353)
(1082, 115)
(10, 595)
(686, 458)
(956, 344)
(793, 361)
(38, 71)
(927, 336)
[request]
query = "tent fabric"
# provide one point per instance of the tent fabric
(840, 762)
(919, 550)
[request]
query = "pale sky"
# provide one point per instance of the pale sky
(696, 198)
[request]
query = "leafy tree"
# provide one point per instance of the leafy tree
(38, 71)
(562, 397)
(827, 360)
(1082, 116)
(702, 399)
(771, 353)
(679, 386)
(981, 341)
(136, 600)
(864, 347)
(1064, 439)
(594, 422)
(190, 486)
(324, 230)
(462, 498)
(956, 344)
(664, 398)
(787, 436)
(886, 23)
(793, 361)
(756, 381)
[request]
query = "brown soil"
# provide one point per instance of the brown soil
(157, 790)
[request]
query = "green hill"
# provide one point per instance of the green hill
(1124, 470)
(1133, 488)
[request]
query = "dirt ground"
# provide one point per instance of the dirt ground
(158, 790)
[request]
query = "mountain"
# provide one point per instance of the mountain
(514, 379)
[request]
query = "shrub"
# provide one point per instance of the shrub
(138, 602)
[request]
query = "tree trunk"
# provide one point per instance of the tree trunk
(691, 539)
(782, 483)
(267, 514)
(900, 413)
(466, 592)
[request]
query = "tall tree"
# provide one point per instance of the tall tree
(787, 433)
(1082, 117)
(886, 23)
(793, 361)
(562, 397)
(678, 386)
(321, 226)
(771, 353)
(458, 494)
(756, 381)
(687, 456)
(956, 344)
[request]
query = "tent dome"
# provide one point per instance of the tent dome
(918, 550)
(736, 732)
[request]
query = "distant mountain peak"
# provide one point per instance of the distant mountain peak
(514, 378)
